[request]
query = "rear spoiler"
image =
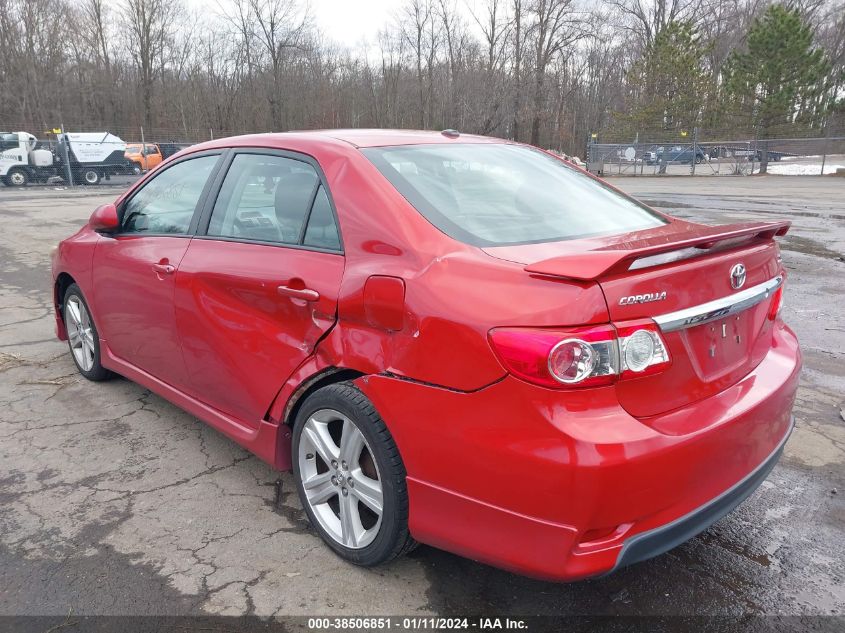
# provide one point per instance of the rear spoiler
(590, 265)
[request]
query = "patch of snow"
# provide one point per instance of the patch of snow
(803, 169)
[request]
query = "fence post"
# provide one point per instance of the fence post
(753, 152)
(694, 149)
(66, 158)
(824, 147)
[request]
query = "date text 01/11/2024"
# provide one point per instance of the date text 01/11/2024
(416, 623)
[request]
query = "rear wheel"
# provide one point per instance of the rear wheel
(17, 178)
(82, 337)
(350, 477)
(90, 176)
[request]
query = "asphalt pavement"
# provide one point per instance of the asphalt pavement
(115, 502)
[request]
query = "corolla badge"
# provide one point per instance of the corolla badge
(737, 276)
(645, 298)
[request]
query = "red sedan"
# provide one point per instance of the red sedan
(449, 339)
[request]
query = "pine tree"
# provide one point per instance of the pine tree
(780, 83)
(669, 81)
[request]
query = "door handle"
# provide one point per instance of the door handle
(299, 293)
(164, 269)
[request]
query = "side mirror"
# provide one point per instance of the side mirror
(104, 219)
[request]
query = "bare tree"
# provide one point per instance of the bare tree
(415, 22)
(495, 29)
(646, 18)
(455, 39)
(517, 52)
(556, 26)
(149, 26)
(280, 28)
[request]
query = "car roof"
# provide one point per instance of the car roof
(380, 138)
(355, 138)
(326, 142)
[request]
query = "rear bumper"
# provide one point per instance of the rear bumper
(659, 540)
(567, 485)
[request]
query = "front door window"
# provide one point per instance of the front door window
(166, 204)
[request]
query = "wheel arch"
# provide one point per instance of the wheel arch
(60, 286)
(324, 378)
(283, 411)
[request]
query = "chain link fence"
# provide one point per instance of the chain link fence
(737, 157)
(88, 155)
(94, 154)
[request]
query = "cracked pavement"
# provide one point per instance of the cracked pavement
(115, 502)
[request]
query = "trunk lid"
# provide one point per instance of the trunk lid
(681, 276)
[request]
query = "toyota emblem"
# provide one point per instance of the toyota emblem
(737, 276)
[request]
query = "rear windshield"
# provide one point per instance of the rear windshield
(499, 194)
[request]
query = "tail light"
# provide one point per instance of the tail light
(641, 350)
(777, 304)
(581, 357)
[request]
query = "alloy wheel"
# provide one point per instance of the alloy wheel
(340, 478)
(80, 333)
(17, 178)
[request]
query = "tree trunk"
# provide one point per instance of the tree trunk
(538, 107)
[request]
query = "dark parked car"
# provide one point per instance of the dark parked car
(727, 151)
(677, 154)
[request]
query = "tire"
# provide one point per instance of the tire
(698, 160)
(90, 176)
(136, 170)
(84, 347)
(17, 178)
(365, 538)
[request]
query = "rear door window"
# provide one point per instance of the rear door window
(321, 231)
(275, 199)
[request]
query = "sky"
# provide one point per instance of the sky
(349, 21)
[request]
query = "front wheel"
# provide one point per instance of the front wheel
(17, 178)
(82, 337)
(350, 477)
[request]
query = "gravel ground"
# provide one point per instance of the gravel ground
(113, 501)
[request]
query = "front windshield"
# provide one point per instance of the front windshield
(501, 194)
(133, 150)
